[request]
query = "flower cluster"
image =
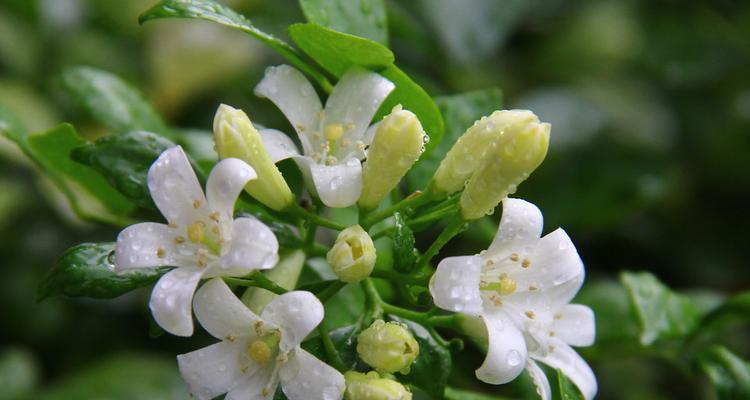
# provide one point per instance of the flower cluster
(518, 290)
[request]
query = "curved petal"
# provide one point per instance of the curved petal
(296, 314)
(506, 353)
(336, 185)
(564, 358)
(254, 246)
(224, 184)
(174, 186)
(520, 224)
(353, 102)
(575, 325)
(305, 377)
(172, 298)
(210, 371)
(455, 284)
(296, 98)
(221, 313)
(144, 245)
(278, 145)
(540, 380)
(260, 385)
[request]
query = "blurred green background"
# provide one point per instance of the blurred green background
(647, 168)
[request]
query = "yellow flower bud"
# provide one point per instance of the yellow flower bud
(398, 142)
(236, 137)
(371, 386)
(516, 152)
(388, 346)
(352, 257)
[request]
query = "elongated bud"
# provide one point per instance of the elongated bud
(236, 137)
(371, 386)
(388, 346)
(398, 142)
(352, 257)
(510, 159)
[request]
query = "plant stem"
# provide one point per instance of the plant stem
(413, 200)
(373, 302)
(262, 281)
(330, 290)
(417, 279)
(300, 212)
(333, 355)
(455, 226)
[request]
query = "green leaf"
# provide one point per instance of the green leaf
(124, 161)
(345, 307)
(568, 389)
(736, 308)
(663, 314)
(121, 378)
(344, 341)
(459, 113)
(433, 365)
(19, 374)
(11, 126)
(729, 374)
(111, 101)
(458, 394)
(404, 253)
(87, 270)
(364, 18)
(216, 12)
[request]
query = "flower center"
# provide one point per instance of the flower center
(504, 286)
(264, 348)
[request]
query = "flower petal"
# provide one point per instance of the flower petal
(278, 145)
(210, 371)
(575, 325)
(224, 184)
(221, 313)
(353, 102)
(144, 245)
(172, 298)
(296, 98)
(540, 380)
(564, 358)
(520, 224)
(506, 353)
(305, 377)
(336, 185)
(455, 284)
(254, 246)
(260, 385)
(296, 314)
(174, 186)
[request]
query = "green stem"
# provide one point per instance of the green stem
(373, 302)
(418, 279)
(413, 200)
(240, 282)
(262, 281)
(455, 226)
(330, 290)
(334, 359)
(300, 212)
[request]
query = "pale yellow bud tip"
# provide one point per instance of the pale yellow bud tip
(371, 386)
(352, 257)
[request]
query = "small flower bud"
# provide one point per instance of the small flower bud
(388, 346)
(371, 386)
(398, 142)
(509, 160)
(236, 137)
(352, 257)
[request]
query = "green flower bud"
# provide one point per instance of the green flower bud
(236, 137)
(352, 257)
(398, 142)
(371, 386)
(517, 151)
(388, 346)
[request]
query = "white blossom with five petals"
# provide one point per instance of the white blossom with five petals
(257, 353)
(335, 138)
(202, 238)
(521, 287)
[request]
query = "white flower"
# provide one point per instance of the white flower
(201, 238)
(521, 288)
(258, 352)
(333, 139)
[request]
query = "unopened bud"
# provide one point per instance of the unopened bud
(371, 386)
(388, 346)
(398, 142)
(352, 257)
(517, 151)
(236, 137)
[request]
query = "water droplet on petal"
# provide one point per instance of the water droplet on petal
(514, 358)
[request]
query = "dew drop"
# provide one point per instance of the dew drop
(514, 358)
(335, 183)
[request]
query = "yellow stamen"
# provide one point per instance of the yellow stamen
(197, 232)
(507, 286)
(334, 132)
(259, 351)
(530, 314)
(161, 253)
(526, 263)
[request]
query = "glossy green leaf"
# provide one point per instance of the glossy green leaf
(111, 101)
(458, 394)
(459, 113)
(404, 253)
(124, 161)
(216, 12)
(568, 389)
(345, 307)
(87, 270)
(736, 308)
(432, 367)
(663, 314)
(729, 374)
(364, 18)
(344, 340)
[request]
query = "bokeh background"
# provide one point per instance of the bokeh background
(647, 168)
